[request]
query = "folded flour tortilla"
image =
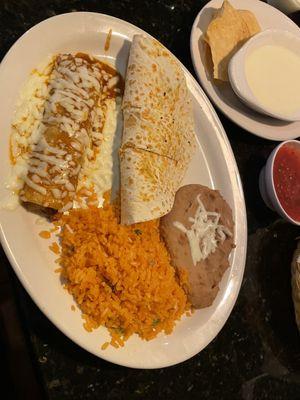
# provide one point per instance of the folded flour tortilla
(158, 137)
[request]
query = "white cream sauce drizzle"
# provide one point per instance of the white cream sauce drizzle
(73, 89)
(68, 84)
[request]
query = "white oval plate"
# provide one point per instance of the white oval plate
(222, 94)
(212, 165)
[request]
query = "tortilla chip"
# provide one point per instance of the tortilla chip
(226, 33)
(251, 21)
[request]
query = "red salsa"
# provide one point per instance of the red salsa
(286, 175)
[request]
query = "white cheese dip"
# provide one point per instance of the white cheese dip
(273, 75)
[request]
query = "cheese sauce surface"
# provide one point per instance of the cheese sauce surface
(272, 73)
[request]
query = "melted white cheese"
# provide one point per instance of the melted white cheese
(205, 232)
(101, 173)
(25, 128)
(63, 93)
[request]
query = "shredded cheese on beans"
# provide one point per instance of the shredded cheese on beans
(205, 232)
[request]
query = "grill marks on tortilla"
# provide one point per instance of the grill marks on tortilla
(158, 131)
(157, 105)
(157, 178)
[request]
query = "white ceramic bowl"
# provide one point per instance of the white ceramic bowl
(267, 187)
(237, 75)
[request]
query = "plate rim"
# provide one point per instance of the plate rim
(254, 129)
(238, 195)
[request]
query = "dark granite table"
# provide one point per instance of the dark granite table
(256, 355)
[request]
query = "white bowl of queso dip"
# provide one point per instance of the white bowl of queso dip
(265, 74)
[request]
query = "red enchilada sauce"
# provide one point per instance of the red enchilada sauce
(286, 173)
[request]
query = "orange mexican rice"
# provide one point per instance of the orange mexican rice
(120, 276)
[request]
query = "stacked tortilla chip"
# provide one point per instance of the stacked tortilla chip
(226, 33)
(158, 138)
